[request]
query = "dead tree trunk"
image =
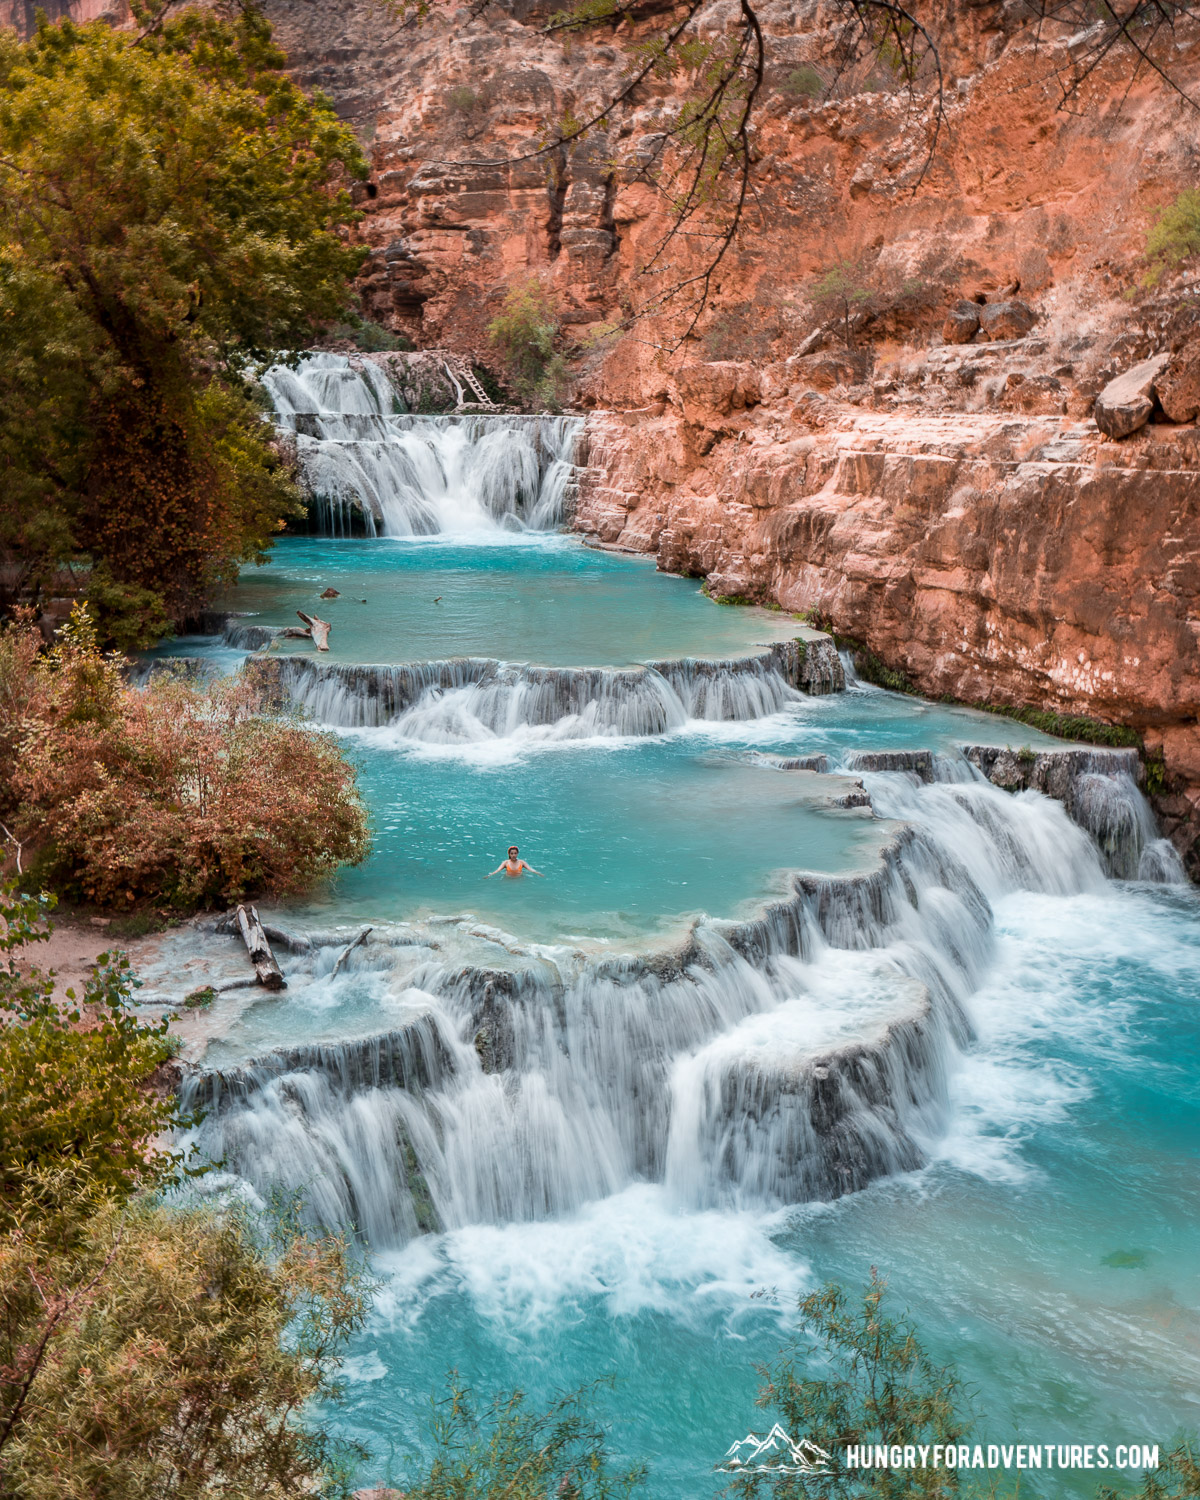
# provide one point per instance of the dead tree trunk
(268, 971)
(319, 629)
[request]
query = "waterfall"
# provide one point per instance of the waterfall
(1100, 790)
(793, 1055)
(370, 465)
(471, 699)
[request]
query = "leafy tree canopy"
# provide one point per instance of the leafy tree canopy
(172, 209)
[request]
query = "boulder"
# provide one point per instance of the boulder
(712, 392)
(1178, 387)
(1034, 393)
(1006, 320)
(834, 367)
(962, 323)
(1125, 403)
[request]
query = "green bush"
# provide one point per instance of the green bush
(524, 333)
(873, 1383)
(84, 1139)
(1174, 235)
(502, 1450)
(804, 82)
(372, 338)
(144, 1351)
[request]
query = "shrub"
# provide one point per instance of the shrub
(524, 333)
(503, 1450)
(129, 616)
(143, 1351)
(183, 792)
(873, 1383)
(804, 82)
(461, 99)
(172, 1353)
(858, 294)
(372, 338)
(1174, 235)
(86, 1138)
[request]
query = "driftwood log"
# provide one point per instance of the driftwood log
(267, 970)
(319, 629)
(347, 950)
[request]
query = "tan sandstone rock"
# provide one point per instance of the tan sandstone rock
(1178, 387)
(1125, 403)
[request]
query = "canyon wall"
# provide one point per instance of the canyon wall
(997, 561)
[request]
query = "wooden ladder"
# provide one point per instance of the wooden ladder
(461, 374)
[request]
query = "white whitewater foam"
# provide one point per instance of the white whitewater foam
(633, 1253)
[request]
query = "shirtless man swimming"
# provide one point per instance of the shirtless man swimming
(514, 865)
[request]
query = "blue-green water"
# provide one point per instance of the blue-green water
(529, 596)
(1075, 1136)
(1048, 1247)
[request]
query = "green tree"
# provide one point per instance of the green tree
(172, 209)
(1174, 235)
(144, 1350)
(524, 332)
(76, 1115)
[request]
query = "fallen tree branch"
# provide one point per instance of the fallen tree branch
(347, 950)
(320, 629)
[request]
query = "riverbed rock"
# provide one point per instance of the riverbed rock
(962, 323)
(1125, 403)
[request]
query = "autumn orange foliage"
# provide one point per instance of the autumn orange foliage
(180, 792)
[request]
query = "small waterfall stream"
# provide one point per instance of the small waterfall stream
(372, 467)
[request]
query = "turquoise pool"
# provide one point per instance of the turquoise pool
(1047, 1243)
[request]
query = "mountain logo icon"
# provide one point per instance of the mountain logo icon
(774, 1454)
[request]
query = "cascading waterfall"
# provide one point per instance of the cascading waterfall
(471, 699)
(371, 466)
(793, 1056)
